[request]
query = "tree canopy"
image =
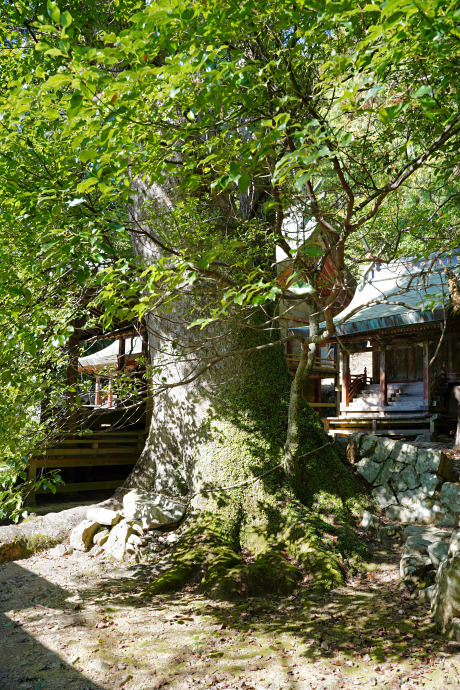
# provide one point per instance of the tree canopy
(254, 112)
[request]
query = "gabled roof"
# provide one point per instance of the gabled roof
(400, 293)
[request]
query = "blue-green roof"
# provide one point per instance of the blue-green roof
(401, 293)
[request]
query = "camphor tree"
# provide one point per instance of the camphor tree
(200, 128)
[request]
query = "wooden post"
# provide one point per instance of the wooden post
(121, 354)
(375, 364)
(97, 398)
(110, 391)
(337, 395)
(345, 380)
(383, 378)
(426, 374)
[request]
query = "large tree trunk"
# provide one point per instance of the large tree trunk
(209, 440)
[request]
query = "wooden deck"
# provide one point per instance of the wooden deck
(403, 416)
(90, 449)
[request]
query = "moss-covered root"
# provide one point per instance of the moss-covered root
(297, 546)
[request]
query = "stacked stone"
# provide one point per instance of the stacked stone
(130, 532)
(410, 484)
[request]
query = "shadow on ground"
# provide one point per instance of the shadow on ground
(25, 663)
(370, 629)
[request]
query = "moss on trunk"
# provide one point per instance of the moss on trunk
(263, 535)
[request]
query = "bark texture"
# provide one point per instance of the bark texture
(221, 440)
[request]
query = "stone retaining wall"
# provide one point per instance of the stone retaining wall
(409, 483)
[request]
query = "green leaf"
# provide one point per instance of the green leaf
(66, 19)
(53, 11)
(54, 52)
(41, 45)
(57, 80)
(76, 103)
(243, 182)
(87, 184)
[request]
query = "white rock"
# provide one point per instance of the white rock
(368, 469)
(115, 546)
(370, 522)
(58, 551)
(101, 537)
(383, 496)
(81, 537)
(151, 510)
(103, 516)
(172, 538)
(134, 540)
(438, 552)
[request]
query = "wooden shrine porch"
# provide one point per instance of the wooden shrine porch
(103, 438)
(414, 354)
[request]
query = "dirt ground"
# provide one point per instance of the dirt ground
(79, 622)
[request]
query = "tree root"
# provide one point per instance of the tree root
(261, 557)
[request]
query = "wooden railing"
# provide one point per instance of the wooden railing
(320, 363)
(357, 383)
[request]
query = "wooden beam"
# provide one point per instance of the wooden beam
(89, 461)
(121, 354)
(426, 374)
(383, 378)
(85, 486)
(345, 357)
(97, 397)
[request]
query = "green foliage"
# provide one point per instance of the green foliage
(249, 111)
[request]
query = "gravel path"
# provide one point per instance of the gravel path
(79, 622)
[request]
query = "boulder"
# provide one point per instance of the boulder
(445, 605)
(437, 551)
(151, 510)
(368, 444)
(103, 516)
(416, 546)
(384, 496)
(446, 519)
(386, 470)
(415, 567)
(412, 508)
(430, 534)
(404, 453)
(101, 537)
(370, 522)
(450, 497)
(428, 485)
(115, 546)
(81, 537)
(435, 462)
(423, 438)
(382, 449)
(368, 469)
(404, 480)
